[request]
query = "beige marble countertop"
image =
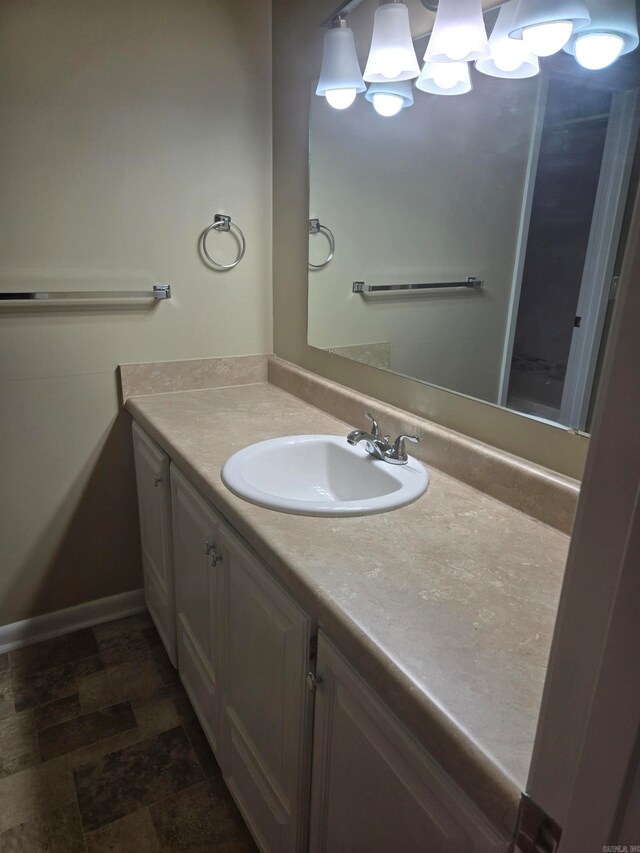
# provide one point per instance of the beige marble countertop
(446, 606)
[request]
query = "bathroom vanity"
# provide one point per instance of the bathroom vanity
(365, 683)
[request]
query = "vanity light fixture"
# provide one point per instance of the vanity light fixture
(445, 78)
(392, 56)
(340, 75)
(458, 33)
(388, 99)
(545, 26)
(509, 57)
(613, 31)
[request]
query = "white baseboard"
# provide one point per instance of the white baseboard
(71, 619)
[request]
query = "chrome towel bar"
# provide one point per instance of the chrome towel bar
(160, 291)
(471, 283)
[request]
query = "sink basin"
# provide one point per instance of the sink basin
(321, 475)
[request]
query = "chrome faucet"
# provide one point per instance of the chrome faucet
(380, 446)
(376, 444)
(398, 453)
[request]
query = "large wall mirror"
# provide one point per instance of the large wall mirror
(513, 198)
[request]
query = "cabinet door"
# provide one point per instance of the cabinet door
(374, 789)
(154, 504)
(266, 701)
(197, 570)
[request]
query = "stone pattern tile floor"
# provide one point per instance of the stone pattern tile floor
(101, 752)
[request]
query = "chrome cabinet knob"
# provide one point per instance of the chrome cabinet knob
(156, 479)
(313, 680)
(210, 551)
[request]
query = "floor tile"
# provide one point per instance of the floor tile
(52, 653)
(201, 747)
(131, 778)
(151, 635)
(87, 729)
(103, 748)
(29, 691)
(35, 792)
(133, 639)
(124, 647)
(6, 694)
(135, 832)
(18, 744)
(58, 711)
(94, 751)
(58, 832)
(173, 710)
(156, 717)
(87, 666)
(134, 680)
(164, 691)
(128, 625)
(165, 669)
(200, 820)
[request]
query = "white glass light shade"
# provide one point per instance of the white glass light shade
(445, 78)
(459, 33)
(509, 57)
(340, 99)
(547, 39)
(392, 56)
(386, 104)
(340, 76)
(597, 50)
(546, 26)
(389, 98)
(593, 46)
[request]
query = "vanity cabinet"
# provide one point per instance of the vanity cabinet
(197, 562)
(154, 506)
(267, 706)
(374, 788)
(312, 756)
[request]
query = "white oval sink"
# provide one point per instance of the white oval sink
(321, 475)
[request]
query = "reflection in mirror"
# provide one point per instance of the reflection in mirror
(522, 184)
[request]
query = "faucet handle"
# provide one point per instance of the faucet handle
(375, 426)
(398, 453)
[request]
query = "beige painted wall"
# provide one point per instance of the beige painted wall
(432, 194)
(297, 49)
(125, 127)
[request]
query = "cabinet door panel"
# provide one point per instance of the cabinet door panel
(374, 789)
(154, 504)
(266, 703)
(195, 530)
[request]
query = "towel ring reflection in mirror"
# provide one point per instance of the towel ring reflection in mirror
(222, 223)
(316, 228)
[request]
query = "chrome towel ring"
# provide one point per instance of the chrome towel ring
(222, 223)
(316, 228)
